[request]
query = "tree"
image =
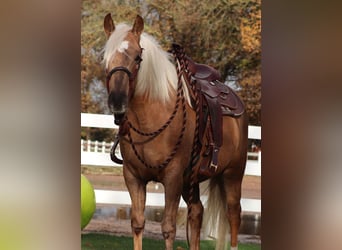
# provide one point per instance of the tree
(224, 34)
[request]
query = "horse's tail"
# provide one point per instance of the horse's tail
(215, 221)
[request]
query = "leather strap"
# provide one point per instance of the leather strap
(113, 149)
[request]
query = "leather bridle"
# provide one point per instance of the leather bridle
(131, 75)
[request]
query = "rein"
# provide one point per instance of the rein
(180, 97)
(154, 134)
(182, 68)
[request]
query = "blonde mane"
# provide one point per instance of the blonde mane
(157, 77)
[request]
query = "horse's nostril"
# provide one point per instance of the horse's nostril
(118, 118)
(117, 102)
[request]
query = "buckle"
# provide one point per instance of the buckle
(212, 165)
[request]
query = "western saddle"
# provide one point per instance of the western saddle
(214, 100)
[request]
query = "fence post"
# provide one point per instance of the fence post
(96, 146)
(89, 146)
(103, 145)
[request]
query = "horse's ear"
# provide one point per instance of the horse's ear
(108, 25)
(138, 25)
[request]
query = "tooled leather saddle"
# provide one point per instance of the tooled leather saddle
(215, 101)
(210, 85)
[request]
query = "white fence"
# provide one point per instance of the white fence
(97, 154)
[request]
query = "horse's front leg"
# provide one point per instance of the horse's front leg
(137, 191)
(173, 189)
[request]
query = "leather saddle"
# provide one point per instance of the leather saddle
(210, 85)
(215, 101)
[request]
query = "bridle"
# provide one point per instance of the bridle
(131, 75)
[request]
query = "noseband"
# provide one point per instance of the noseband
(116, 69)
(131, 76)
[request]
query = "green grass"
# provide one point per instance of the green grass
(109, 242)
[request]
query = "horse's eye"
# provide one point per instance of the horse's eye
(138, 59)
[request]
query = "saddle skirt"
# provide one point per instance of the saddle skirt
(209, 84)
(229, 101)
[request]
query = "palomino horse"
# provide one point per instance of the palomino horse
(157, 125)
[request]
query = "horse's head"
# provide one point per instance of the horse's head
(123, 66)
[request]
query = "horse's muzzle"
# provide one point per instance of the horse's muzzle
(117, 103)
(118, 118)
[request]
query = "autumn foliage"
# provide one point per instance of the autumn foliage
(225, 34)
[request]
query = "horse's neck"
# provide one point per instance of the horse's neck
(149, 115)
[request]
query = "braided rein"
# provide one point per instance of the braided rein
(152, 135)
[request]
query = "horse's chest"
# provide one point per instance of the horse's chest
(152, 153)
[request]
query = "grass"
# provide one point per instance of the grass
(94, 241)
